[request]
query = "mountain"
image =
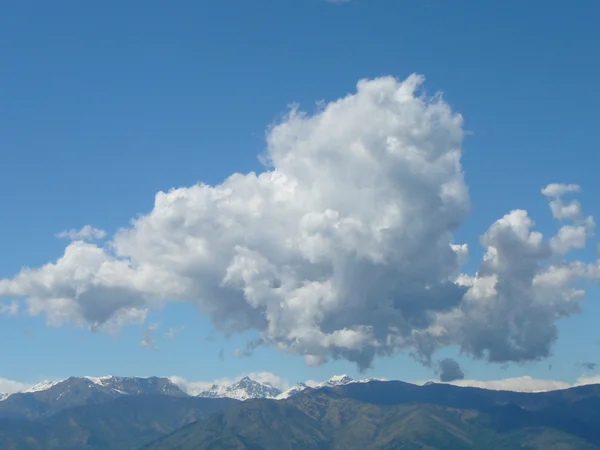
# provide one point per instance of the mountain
(322, 419)
(48, 398)
(244, 389)
(95, 389)
(247, 388)
(123, 423)
(126, 413)
(336, 380)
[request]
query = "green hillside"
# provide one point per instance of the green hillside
(325, 421)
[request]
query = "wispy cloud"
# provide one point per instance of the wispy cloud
(588, 365)
(171, 332)
(10, 386)
(148, 341)
(10, 309)
(87, 233)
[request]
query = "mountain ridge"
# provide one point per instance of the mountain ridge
(122, 413)
(244, 389)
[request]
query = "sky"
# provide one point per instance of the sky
(290, 187)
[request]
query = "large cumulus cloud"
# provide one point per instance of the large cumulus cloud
(342, 247)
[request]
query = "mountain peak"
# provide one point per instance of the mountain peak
(44, 385)
(243, 389)
(341, 379)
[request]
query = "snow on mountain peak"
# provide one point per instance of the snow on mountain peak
(339, 379)
(336, 380)
(100, 381)
(44, 385)
(244, 389)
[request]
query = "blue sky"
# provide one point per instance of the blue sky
(105, 104)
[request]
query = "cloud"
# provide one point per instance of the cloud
(10, 386)
(522, 384)
(557, 190)
(518, 384)
(148, 341)
(87, 233)
(153, 326)
(194, 387)
(561, 210)
(170, 334)
(450, 370)
(342, 247)
(589, 365)
(10, 309)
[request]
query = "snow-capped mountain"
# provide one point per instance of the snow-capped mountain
(244, 389)
(84, 390)
(137, 385)
(50, 397)
(43, 386)
(336, 380)
(296, 389)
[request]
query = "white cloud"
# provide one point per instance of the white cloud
(569, 237)
(87, 233)
(561, 210)
(521, 384)
(559, 189)
(10, 386)
(342, 248)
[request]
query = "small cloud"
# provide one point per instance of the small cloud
(148, 341)
(27, 332)
(87, 233)
(170, 334)
(152, 326)
(588, 365)
(518, 384)
(125, 316)
(221, 355)
(10, 386)
(10, 309)
(450, 370)
(314, 360)
(559, 189)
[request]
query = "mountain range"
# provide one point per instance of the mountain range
(155, 413)
(81, 388)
